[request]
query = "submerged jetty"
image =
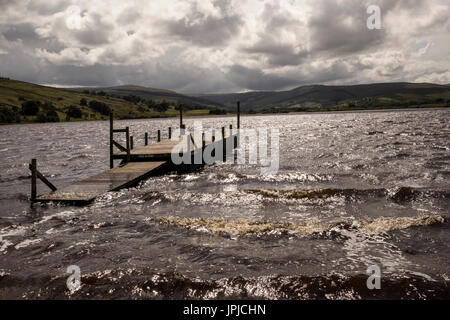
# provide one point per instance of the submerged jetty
(139, 163)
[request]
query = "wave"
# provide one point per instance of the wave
(242, 228)
(146, 284)
(401, 194)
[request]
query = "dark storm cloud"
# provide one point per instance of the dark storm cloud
(46, 7)
(341, 29)
(278, 54)
(206, 30)
(25, 32)
(255, 79)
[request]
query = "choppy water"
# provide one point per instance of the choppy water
(353, 190)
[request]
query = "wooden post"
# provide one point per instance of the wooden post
(182, 129)
(127, 134)
(238, 114)
(236, 139)
(181, 116)
(213, 139)
(146, 138)
(159, 135)
(170, 132)
(131, 142)
(203, 147)
(224, 146)
(33, 179)
(111, 138)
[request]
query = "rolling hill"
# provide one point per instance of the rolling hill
(23, 102)
(153, 94)
(321, 97)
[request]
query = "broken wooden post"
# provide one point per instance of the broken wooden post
(159, 135)
(131, 143)
(146, 138)
(170, 132)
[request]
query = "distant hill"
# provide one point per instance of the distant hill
(23, 102)
(153, 94)
(321, 97)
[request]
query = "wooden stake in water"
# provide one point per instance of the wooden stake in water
(127, 134)
(159, 135)
(170, 132)
(146, 139)
(33, 179)
(238, 114)
(224, 146)
(111, 138)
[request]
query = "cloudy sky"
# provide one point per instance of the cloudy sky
(205, 46)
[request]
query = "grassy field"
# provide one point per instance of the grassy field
(14, 93)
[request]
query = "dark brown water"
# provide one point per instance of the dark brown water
(353, 190)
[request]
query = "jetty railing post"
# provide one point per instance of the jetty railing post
(238, 115)
(127, 133)
(236, 138)
(203, 147)
(213, 140)
(170, 132)
(159, 135)
(224, 146)
(111, 138)
(181, 116)
(33, 179)
(146, 138)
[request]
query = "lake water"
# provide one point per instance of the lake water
(353, 190)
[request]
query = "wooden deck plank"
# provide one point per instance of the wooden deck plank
(111, 180)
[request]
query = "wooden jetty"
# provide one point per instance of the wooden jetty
(136, 165)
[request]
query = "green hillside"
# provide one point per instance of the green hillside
(154, 94)
(323, 98)
(22, 102)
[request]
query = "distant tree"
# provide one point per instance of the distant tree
(31, 108)
(8, 115)
(162, 107)
(217, 111)
(100, 107)
(83, 102)
(150, 103)
(74, 112)
(48, 116)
